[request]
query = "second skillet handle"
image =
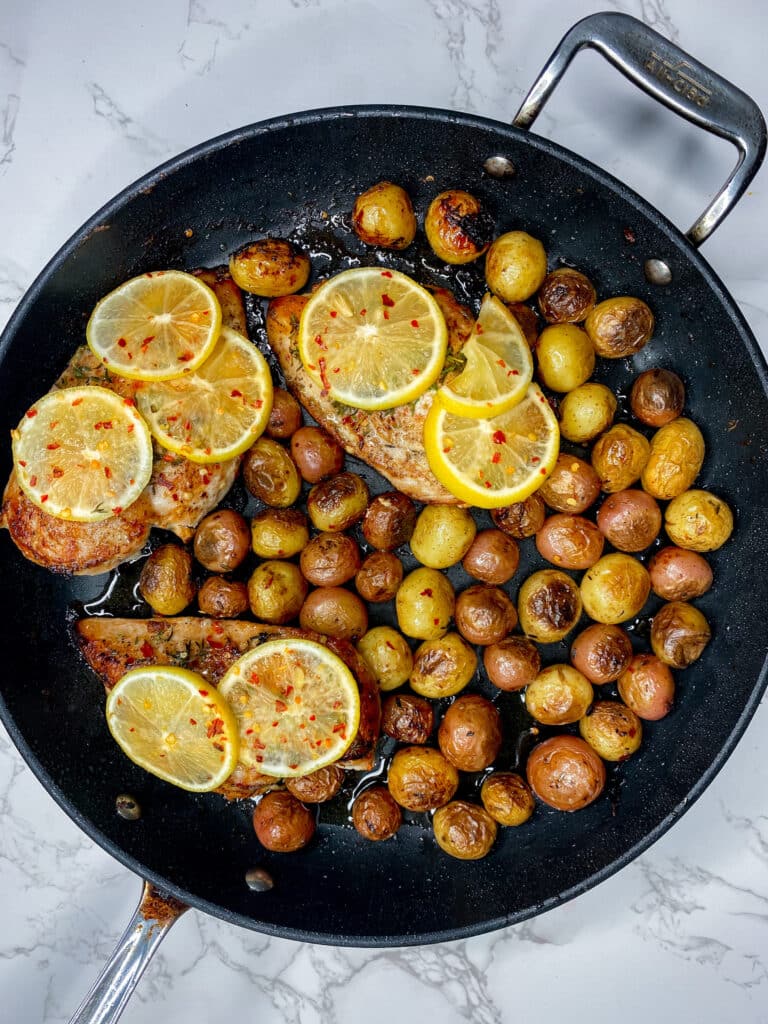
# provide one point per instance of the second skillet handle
(675, 79)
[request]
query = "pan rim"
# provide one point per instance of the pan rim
(607, 181)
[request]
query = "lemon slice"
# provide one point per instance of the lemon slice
(216, 412)
(156, 326)
(372, 338)
(297, 706)
(82, 454)
(498, 366)
(495, 461)
(174, 724)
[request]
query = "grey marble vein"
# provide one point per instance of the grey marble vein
(106, 108)
(472, 32)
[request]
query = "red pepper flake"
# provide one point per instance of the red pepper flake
(234, 393)
(33, 481)
(169, 458)
(389, 644)
(363, 312)
(57, 472)
(386, 273)
(147, 650)
(288, 690)
(22, 463)
(386, 299)
(320, 343)
(77, 401)
(415, 323)
(217, 627)
(103, 425)
(175, 497)
(436, 621)
(341, 730)
(337, 369)
(33, 412)
(206, 478)
(203, 693)
(248, 732)
(43, 497)
(313, 718)
(280, 706)
(496, 458)
(122, 342)
(543, 471)
(128, 401)
(323, 374)
(193, 721)
(499, 437)
(347, 420)
(52, 447)
(131, 427)
(107, 472)
(334, 313)
(186, 357)
(259, 758)
(386, 314)
(535, 460)
(427, 592)
(478, 328)
(216, 728)
(117, 510)
(275, 725)
(488, 484)
(415, 371)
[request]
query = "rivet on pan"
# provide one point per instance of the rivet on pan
(499, 167)
(259, 880)
(128, 807)
(657, 272)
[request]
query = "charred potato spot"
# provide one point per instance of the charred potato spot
(677, 455)
(513, 663)
(619, 457)
(222, 599)
(317, 787)
(383, 215)
(270, 474)
(285, 418)
(549, 606)
(601, 653)
(442, 667)
(279, 533)
(630, 520)
(679, 575)
(565, 773)
(281, 823)
(612, 730)
(484, 614)
(558, 695)
(508, 798)
(492, 557)
(339, 503)
(657, 397)
(421, 779)
(424, 604)
(330, 559)
(276, 592)
(376, 815)
(222, 541)
(586, 412)
(316, 454)
(270, 267)
(679, 634)
(388, 656)
(620, 327)
(571, 542)
(457, 227)
(615, 589)
(407, 718)
(515, 266)
(464, 830)
(572, 486)
(566, 296)
(470, 733)
(165, 582)
(522, 519)
(336, 612)
(698, 521)
(379, 577)
(647, 687)
(389, 521)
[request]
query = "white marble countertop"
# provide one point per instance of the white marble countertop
(93, 95)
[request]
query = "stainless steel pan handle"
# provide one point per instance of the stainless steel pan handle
(154, 916)
(677, 80)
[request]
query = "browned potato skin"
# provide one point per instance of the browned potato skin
(677, 455)
(285, 418)
(698, 521)
(470, 733)
(457, 227)
(166, 580)
(316, 453)
(336, 612)
(389, 521)
(270, 474)
(276, 592)
(572, 486)
(619, 457)
(679, 634)
(620, 327)
(630, 520)
(421, 779)
(522, 519)
(330, 559)
(338, 503)
(601, 653)
(270, 267)
(615, 589)
(508, 798)
(407, 718)
(565, 773)
(379, 577)
(317, 787)
(647, 687)
(549, 606)
(464, 830)
(493, 557)
(424, 604)
(566, 296)
(279, 532)
(679, 575)
(222, 599)
(443, 667)
(528, 321)
(383, 215)
(558, 695)
(222, 540)
(484, 614)
(613, 730)
(376, 815)
(282, 823)
(657, 397)
(512, 663)
(571, 542)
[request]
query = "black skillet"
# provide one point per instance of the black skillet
(295, 177)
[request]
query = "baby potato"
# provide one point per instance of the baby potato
(657, 397)
(222, 599)
(336, 612)
(620, 327)
(379, 577)
(508, 798)
(492, 557)
(484, 614)
(316, 454)
(586, 411)
(601, 653)
(512, 663)
(572, 542)
(165, 582)
(630, 520)
(424, 604)
(387, 654)
(619, 457)
(330, 559)
(285, 418)
(558, 695)
(613, 730)
(270, 474)
(457, 227)
(565, 773)
(677, 455)
(515, 266)
(282, 823)
(221, 541)
(383, 215)
(566, 296)
(549, 606)
(698, 521)
(407, 718)
(421, 779)
(648, 687)
(376, 815)
(270, 267)
(389, 521)
(678, 575)
(276, 592)
(464, 830)
(470, 733)
(679, 634)
(566, 357)
(523, 518)
(338, 503)
(572, 486)
(615, 589)
(442, 667)
(279, 532)
(317, 787)
(442, 536)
